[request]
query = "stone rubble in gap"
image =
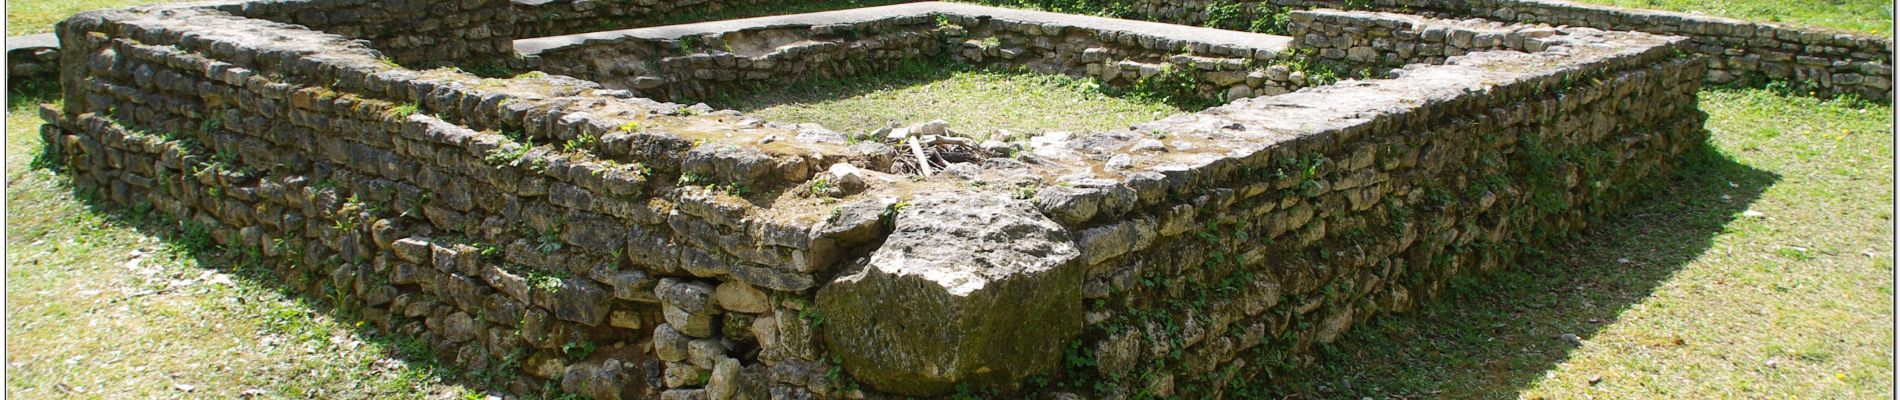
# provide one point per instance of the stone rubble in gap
(567, 230)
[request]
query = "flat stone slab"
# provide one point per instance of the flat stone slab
(37, 41)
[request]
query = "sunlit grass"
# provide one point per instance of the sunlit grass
(38, 16)
(1864, 16)
(975, 102)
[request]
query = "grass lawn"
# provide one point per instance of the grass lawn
(975, 102)
(26, 17)
(1865, 16)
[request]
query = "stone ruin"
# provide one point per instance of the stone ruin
(705, 254)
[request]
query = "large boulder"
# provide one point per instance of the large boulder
(971, 288)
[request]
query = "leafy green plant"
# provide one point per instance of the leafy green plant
(577, 351)
(578, 143)
(403, 110)
(821, 187)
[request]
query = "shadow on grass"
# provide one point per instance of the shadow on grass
(1494, 335)
(194, 242)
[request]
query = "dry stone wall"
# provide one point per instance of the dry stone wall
(1825, 61)
(1367, 211)
(697, 61)
(417, 199)
(425, 32)
(1830, 62)
(538, 18)
(411, 32)
(1357, 38)
(32, 58)
(562, 234)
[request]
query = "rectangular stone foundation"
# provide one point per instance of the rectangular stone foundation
(709, 255)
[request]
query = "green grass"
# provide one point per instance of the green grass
(1688, 295)
(38, 16)
(974, 101)
(1864, 16)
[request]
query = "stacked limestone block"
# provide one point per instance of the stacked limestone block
(699, 61)
(434, 203)
(1352, 38)
(1826, 61)
(411, 32)
(538, 18)
(1403, 184)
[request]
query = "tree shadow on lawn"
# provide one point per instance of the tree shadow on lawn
(419, 355)
(1493, 335)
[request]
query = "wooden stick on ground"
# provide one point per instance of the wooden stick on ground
(923, 163)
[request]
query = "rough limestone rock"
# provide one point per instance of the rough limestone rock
(740, 297)
(968, 288)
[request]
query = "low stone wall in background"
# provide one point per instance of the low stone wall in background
(538, 18)
(698, 61)
(410, 32)
(563, 234)
(1825, 61)
(1819, 60)
(32, 57)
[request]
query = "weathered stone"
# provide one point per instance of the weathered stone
(704, 352)
(544, 364)
(969, 288)
(740, 297)
(684, 394)
(635, 286)
(690, 296)
(724, 384)
(690, 324)
(459, 327)
(624, 319)
(578, 300)
(605, 380)
(669, 344)
(765, 331)
(680, 375)
(846, 178)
